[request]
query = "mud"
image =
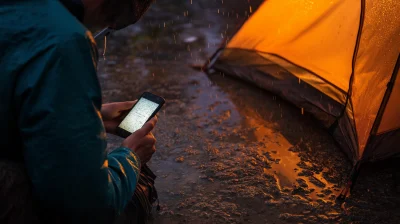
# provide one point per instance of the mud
(229, 152)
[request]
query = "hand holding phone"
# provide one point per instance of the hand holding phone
(138, 124)
(113, 113)
(145, 108)
(142, 142)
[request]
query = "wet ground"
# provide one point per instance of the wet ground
(229, 152)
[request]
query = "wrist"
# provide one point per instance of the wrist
(134, 155)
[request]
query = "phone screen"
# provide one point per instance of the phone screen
(139, 114)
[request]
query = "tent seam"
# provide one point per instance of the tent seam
(350, 90)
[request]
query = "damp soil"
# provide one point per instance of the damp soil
(227, 151)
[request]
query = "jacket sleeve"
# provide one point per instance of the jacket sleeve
(59, 100)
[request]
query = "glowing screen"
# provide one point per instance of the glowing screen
(138, 116)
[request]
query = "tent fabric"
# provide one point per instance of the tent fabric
(256, 65)
(392, 109)
(381, 146)
(254, 68)
(332, 58)
(309, 30)
(377, 55)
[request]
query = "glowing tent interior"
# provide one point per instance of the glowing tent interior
(339, 60)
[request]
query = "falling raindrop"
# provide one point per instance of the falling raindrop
(105, 47)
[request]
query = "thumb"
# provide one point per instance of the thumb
(127, 105)
(147, 128)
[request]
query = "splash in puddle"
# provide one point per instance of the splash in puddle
(284, 165)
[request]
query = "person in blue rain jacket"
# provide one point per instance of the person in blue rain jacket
(51, 116)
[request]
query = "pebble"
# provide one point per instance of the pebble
(190, 39)
(180, 159)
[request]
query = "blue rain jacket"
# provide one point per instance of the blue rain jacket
(50, 102)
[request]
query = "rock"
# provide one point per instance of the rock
(306, 173)
(320, 195)
(326, 191)
(316, 182)
(303, 165)
(180, 159)
(291, 217)
(268, 156)
(190, 39)
(300, 191)
(302, 182)
(332, 197)
(323, 217)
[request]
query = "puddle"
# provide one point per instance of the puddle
(284, 163)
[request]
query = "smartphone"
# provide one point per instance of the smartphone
(145, 108)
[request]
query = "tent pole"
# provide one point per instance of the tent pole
(386, 98)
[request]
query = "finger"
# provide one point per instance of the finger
(149, 148)
(147, 128)
(146, 141)
(134, 141)
(154, 120)
(125, 108)
(126, 105)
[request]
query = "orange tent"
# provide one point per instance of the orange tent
(339, 60)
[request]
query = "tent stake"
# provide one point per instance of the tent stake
(350, 183)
